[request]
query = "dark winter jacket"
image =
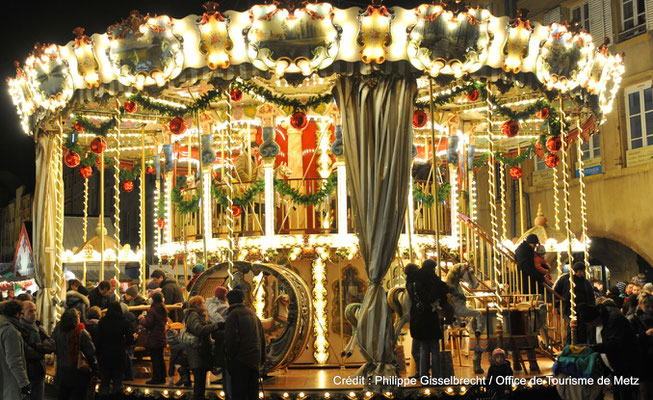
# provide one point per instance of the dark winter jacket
(425, 292)
(582, 288)
(618, 343)
(155, 323)
(495, 371)
(92, 327)
(641, 322)
(136, 301)
(96, 299)
(114, 335)
(37, 345)
(172, 293)
(196, 323)
(12, 359)
(244, 338)
(79, 302)
(65, 370)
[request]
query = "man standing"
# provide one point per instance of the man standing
(171, 292)
(99, 296)
(37, 345)
(244, 346)
(525, 257)
(584, 295)
(13, 374)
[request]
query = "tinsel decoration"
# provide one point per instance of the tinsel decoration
(473, 95)
(98, 145)
(298, 120)
(72, 159)
(552, 160)
(178, 125)
(86, 171)
(554, 144)
(516, 172)
(236, 94)
(419, 119)
(510, 128)
(128, 186)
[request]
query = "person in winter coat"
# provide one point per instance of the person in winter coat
(425, 327)
(155, 323)
(133, 298)
(617, 344)
(500, 367)
(525, 257)
(217, 306)
(244, 346)
(200, 359)
(78, 301)
(72, 376)
(178, 358)
(135, 327)
(101, 296)
(542, 268)
(76, 285)
(584, 295)
(642, 324)
(37, 345)
(14, 383)
(171, 292)
(198, 270)
(92, 319)
(114, 335)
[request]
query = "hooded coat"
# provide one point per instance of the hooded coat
(155, 323)
(13, 375)
(172, 294)
(37, 345)
(424, 292)
(244, 339)
(197, 324)
(76, 300)
(216, 308)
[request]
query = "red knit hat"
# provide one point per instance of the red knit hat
(220, 292)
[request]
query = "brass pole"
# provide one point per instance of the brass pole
(203, 209)
(101, 170)
(435, 178)
(521, 199)
(143, 194)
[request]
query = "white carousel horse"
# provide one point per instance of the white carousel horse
(352, 312)
(280, 318)
(463, 272)
(399, 302)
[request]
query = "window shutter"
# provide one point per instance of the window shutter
(551, 16)
(649, 15)
(601, 20)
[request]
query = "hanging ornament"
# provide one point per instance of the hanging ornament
(178, 126)
(86, 171)
(98, 145)
(298, 120)
(539, 150)
(130, 106)
(161, 223)
(72, 159)
(127, 186)
(515, 172)
(510, 128)
(78, 126)
(236, 95)
(552, 160)
(236, 210)
(472, 95)
(150, 169)
(554, 144)
(543, 113)
(419, 119)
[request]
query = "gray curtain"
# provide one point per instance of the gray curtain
(378, 138)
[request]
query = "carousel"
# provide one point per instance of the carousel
(308, 153)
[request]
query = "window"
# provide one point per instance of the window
(581, 13)
(591, 149)
(639, 111)
(633, 13)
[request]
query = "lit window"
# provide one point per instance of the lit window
(639, 112)
(591, 149)
(633, 13)
(581, 13)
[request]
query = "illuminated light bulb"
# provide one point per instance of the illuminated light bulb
(427, 391)
(327, 395)
(146, 391)
(286, 395)
(261, 395)
(368, 394)
(352, 395)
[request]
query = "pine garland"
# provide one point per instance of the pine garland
(457, 91)
(280, 100)
(420, 196)
(241, 201)
(201, 104)
(184, 206)
(313, 199)
(88, 160)
(482, 160)
(130, 174)
(513, 161)
(100, 130)
(539, 105)
(161, 206)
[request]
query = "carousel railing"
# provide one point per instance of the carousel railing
(424, 221)
(188, 225)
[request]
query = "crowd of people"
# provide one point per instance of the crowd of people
(96, 336)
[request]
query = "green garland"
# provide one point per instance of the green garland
(482, 160)
(130, 174)
(161, 206)
(512, 161)
(201, 104)
(100, 130)
(448, 97)
(420, 196)
(281, 100)
(243, 201)
(285, 189)
(88, 160)
(526, 112)
(184, 206)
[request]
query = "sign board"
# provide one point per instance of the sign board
(24, 258)
(591, 167)
(641, 156)
(543, 177)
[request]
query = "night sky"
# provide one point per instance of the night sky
(27, 22)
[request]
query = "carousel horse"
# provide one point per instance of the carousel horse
(280, 318)
(399, 302)
(352, 312)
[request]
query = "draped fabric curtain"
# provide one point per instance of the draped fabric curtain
(378, 137)
(47, 206)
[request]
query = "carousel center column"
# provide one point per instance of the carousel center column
(269, 150)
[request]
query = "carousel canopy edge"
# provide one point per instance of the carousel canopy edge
(435, 40)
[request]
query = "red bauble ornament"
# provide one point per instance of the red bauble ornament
(161, 223)
(515, 172)
(543, 113)
(150, 170)
(178, 126)
(552, 160)
(539, 150)
(127, 186)
(78, 126)
(72, 159)
(554, 144)
(86, 171)
(236, 95)
(472, 95)
(130, 106)
(98, 145)
(510, 128)
(419, 119)
(298, 120)
(236, 210)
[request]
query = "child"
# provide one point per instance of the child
(500, 369)
(177, 356)
(541, 266)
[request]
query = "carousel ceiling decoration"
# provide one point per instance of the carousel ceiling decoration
(448, 40)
